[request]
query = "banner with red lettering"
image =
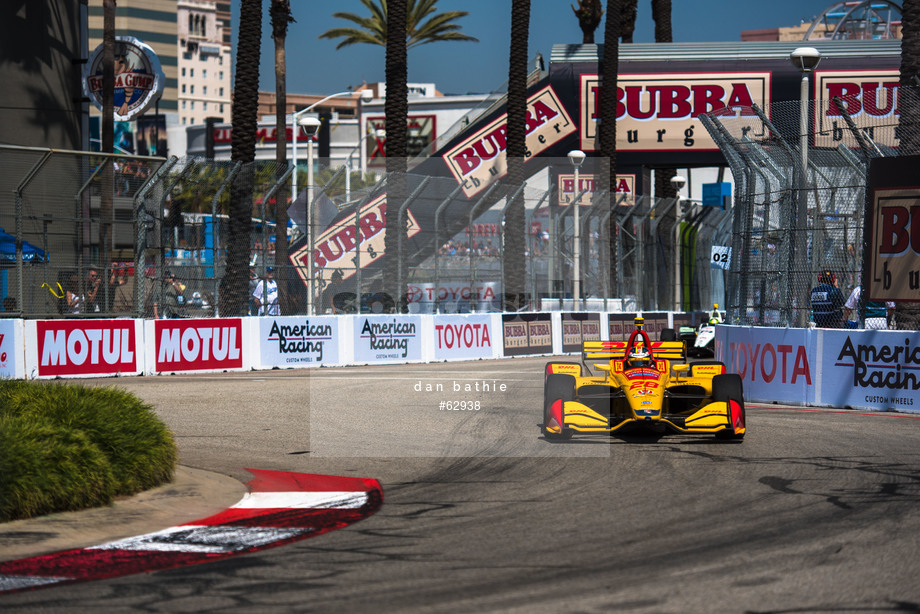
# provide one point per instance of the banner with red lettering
(83, 348)
(867, 96)
(197, 345)
(479, 160)
(660, 111)
(527, 333)
(775, 364)
(463, 337)
(892, 231)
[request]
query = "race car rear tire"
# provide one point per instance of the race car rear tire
(558, 386)
(725, 388)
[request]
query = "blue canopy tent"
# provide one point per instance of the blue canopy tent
(30, 253)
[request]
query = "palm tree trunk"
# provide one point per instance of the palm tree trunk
(280, 11)
(513, 230)
(907, 315)
(234, 287)
(396, 109)
(107, 196)
(608, 129)
(627, 19)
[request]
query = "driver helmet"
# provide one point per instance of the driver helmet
(639, 357)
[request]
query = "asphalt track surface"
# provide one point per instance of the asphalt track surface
(816, 511)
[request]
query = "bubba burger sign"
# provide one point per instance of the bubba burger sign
(660, 112)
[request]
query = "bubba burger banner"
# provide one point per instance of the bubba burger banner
(75, 348)
(892, 230)
(660, 112)
(480, 159)
(197, 345)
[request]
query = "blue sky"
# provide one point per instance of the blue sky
(315, 67)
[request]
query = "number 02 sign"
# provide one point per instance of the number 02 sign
(721, 257)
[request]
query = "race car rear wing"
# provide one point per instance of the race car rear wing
(610, 350)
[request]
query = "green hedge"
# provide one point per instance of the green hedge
(67, 447)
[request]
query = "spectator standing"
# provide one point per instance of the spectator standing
(91, 295)
(174, 297)
(266, 295)
(333, 289)
(253, 282)
(827, 301)
(876, 313)
(73, 298)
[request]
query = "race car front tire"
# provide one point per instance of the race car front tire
(558, 387)
(728, 388)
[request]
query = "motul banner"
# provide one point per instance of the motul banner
(197, 345)
(75, 348)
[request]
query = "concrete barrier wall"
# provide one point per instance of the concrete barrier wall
(878, 370)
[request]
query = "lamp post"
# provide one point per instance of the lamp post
(360, 149)
(805, 60)
(364, 96)
(576, 157)
(678, 182)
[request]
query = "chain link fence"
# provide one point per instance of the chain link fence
(167, 237)
(800, 199)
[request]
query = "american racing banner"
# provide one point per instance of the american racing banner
(660, 112)
(480, 159)
(75, 348)
(387, 338)
(869, 97)
(298, 341)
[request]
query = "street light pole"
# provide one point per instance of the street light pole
(805, 59)
(364, 96)
(576, 157)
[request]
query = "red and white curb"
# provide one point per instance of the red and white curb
(280, 508)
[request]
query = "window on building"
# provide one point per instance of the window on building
(183, 72)
(204, 73)
(183, 105)
(191, 73)
(183, 88)
(221, 92)
(192, 89)
(184, 120)
(192, 105)
(205, 105)
(221, 107)
(204, 90)
(221, 75)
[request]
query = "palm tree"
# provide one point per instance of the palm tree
(106, 201)
(907, 315)
(235, 284)
(589, 13)
(373, 30)
(513, 231)
(607, 136)
(396, 109)
(627, 20)
(421, 24)
(280, 11)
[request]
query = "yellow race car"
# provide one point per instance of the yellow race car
(641, 385)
